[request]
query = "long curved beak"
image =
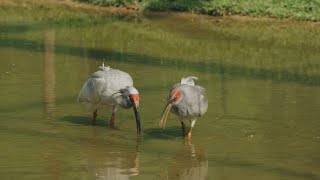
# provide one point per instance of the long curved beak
(164, 115)
(136, 114)
(134, 98)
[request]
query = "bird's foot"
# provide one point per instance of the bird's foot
(183, 127)
(112, 121)
(112, 125)
(189, 134)
(189, 137)
(183, 133)
(94, 117)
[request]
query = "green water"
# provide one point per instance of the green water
(262, 80)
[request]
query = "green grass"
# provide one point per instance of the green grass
(109, 2)
(294, 9)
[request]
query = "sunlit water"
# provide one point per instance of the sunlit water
(262, 80)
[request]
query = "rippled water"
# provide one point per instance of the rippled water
(262, 80)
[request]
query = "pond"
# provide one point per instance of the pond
(262, 79)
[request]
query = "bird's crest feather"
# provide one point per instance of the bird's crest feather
(104, 68)
(189, 80)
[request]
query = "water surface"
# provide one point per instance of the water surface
(262, 80)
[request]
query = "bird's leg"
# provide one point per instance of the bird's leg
(183, 127)
(189, 134)
(192, 122)
(94, 116)
(114, 110)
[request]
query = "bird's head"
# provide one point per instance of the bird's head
(132, 94)
(174, 97)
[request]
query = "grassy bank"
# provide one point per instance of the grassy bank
(294, 9)
(255, 49)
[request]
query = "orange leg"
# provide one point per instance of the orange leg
(189, 134)
(183, 127)
(114, 110)
(94, 116)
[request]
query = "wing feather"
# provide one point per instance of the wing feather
(203, 100)
(100, 88)
(92, 90)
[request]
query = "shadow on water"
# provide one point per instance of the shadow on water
(62, 23)
(158, 133)
(133, 58)
(37, 104)
(41, 26)
(80, 120)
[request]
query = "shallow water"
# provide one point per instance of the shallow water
(262, 80)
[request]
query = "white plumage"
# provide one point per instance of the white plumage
(188, 101)
(110, 87)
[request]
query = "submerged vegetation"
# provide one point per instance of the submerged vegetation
(294, 9)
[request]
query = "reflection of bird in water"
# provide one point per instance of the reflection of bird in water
(117, 168)
(189, 164)
(112, 160)
(110, 87)
(187, 101)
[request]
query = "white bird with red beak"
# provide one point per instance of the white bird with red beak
(110, 87)
(187, 101)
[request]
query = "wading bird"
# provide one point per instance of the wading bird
(187, 101)
(110, 87)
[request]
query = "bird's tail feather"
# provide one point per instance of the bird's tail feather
(104, 68)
